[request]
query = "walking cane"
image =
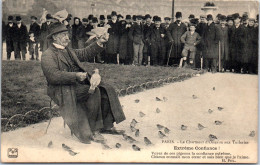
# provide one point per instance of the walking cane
(117, 58)
(201, 62)
(169, 54)
(219, 57)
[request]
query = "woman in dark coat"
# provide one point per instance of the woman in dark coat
(75, 26)
(85, 113)
(126, 45)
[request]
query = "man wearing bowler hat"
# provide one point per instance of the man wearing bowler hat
(10, 32)
(87, 113)
(147, 47)
(102, 20)
(174, 33)
(45, 30)
(20, 39)
(211, 39)
(36, 30)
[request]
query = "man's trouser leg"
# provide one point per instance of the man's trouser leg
(154, 54)
(192, 58)
(17, 54)
(184, 56)
(36, 51)
(162, 55)
(136, 50)
(207, 63)
(214, 62)
(140, 53)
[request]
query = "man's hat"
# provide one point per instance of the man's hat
(203, 16)
(84, 20)
(90, 16)
(18, 18)
(113, 13)
(139, 17)
(209, 17)
(191, 16)
(236, 15)
(33, 17)
(119, 16)
(251, 19)
(244, 16)
(134, 17)
(102, 17)
(128, 17)
(147, 16)
(222, 18)
(157, 19)
(193, 22)
(167, 18)
(94, 20)
(218, 15)
(108, 16)
(56, 28)
(48, 16)
(230, 17)
(178, 14)
(10, 18)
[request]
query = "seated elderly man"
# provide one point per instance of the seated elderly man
(86, 113)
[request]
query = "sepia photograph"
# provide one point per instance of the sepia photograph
(129, 81)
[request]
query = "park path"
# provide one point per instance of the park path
(236, 93)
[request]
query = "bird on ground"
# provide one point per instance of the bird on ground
(212, 137)
(105, 146)
(165, 99)
(67, 148)
(218, 122)
(128, 138)
(136, 148)
(50, 144)
(158, 110)
(159, 126)
(133, 123)
(194, 97)
(94, 81)
(158, 99)
(220, 108)
(214, 88)
(141, 114)
(166, 130)
(133, 129)
(161, 135)
(147, 141)
(210, 110)
(200, 126)
(118, 145)
(137, 133)
(72, 153)
(184, 127)
(252, 133)
(137, 101)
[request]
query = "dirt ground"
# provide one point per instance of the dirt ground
(236, 93)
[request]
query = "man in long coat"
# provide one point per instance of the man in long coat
(174, 32)
(20, 39)
(252, 42)
(112, 48)
(147, 47)
(45, 30)
(68, 80)
(10, 29)
(238, 47)
(36, 29)
(211, 39)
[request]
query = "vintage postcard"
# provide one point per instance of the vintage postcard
(129, 81)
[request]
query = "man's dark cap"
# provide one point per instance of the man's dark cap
(33, 17)
(178, 14)
(18, 18)
(102, 17)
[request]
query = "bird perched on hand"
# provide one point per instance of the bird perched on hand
(200, 126)
(183, 127)
(60, 15)
(212, 137)
(218, 122)
(159, 126)
(136, 148)
(252, 133)
(94, 81)
(161, 135)
(141, 114)
(147, 141)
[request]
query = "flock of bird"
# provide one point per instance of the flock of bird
(162, 130)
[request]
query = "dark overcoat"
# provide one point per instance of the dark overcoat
(21, 36)
(61, 88)
(36, 29)
(126, 45)
(252, 42)
(147, 46)
(174, 33)
(113, 41)
(136, 33)
(10, 31)
(224, 42)
(211, 39)
(45, 31)
(238, 44)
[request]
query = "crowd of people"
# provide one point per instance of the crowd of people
(224, 43)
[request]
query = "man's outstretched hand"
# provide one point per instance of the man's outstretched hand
(102, 39)
(81, 76)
